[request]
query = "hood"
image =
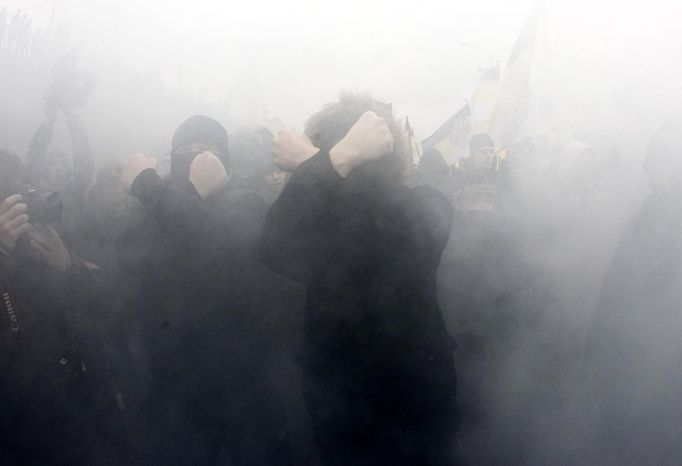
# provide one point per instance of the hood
(193, 136)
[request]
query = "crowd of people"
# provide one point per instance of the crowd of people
(318, 298)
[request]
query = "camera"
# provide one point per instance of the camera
(44, 207)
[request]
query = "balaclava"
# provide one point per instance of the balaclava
(198, 130)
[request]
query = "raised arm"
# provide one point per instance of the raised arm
(297, 235)
(82, 158)
(37, 151)
(203, 219)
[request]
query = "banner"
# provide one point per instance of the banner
(452, 138)
(520, 91)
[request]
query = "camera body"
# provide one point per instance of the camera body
(44, 207)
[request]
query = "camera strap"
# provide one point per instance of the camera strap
(8, 303)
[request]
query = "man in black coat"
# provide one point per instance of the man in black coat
(52, 372)
(207, 331)
(378, 369)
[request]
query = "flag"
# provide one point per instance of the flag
(414, 148)
(484, 98)
(519, 95)
(452, 138)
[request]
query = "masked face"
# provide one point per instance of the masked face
(182, 157)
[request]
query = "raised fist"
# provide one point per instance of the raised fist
(208, 175)
(368, 139)
(13, 222)
(136, 164)
(290, 149)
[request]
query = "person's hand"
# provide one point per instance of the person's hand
(208, 175)
(49, 246)
(13, 222)
(290, 149)
(136, 164)
(368, 139)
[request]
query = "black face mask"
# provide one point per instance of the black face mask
(180, 164)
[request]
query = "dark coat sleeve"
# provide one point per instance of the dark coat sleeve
(172, 221)
(138, 247)
(37, 152)
(296, 236)
(82, 158)
(432, 217)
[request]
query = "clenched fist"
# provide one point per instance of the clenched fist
(368, 139)
(208, 175)
(290, 149)
(136, 164)
(13, 222)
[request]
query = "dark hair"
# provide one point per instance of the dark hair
(328, 126)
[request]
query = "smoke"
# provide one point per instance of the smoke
(524, 290)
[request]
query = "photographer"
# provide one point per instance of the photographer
(51, 371)
(54, 170)
(207, 329)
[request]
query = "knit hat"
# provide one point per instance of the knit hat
(479, 141)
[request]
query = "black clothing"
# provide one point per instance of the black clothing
(432, 171)
(56, 408)
(206, 327)
(379, 377)
(479, 141)
(101, 223)
(202, 130)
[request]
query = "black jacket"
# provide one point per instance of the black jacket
(380, 379)
(207, 329)
(52, 372)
